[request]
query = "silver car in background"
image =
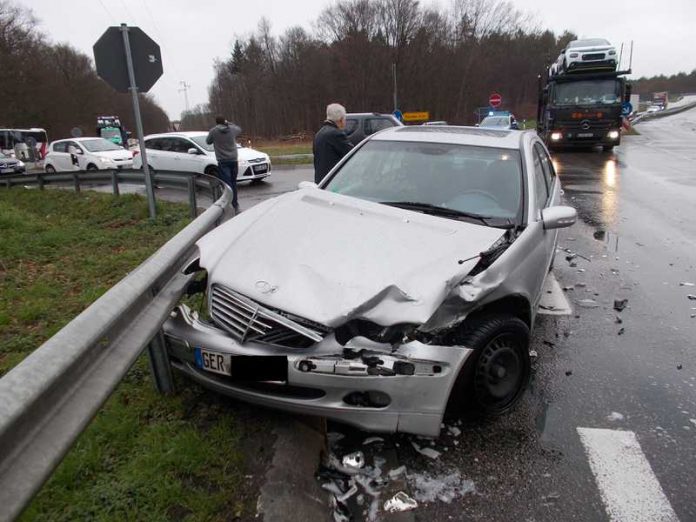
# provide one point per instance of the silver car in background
(405, 284)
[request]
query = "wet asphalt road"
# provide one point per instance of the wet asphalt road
(636, 240)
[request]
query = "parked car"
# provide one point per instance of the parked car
(188, 152)
(590, 53)
(86, 154)
(500, 121)
(361, 125)
(407, 280)
(654, 108)
(10, 165)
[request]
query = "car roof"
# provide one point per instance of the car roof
(366, 114)
(499, 138)
(182, 134)
(83, 138)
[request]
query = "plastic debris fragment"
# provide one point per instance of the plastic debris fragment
(352, 491)
(686, 284)
(355, 460)
(397, 472)
(615, 416)
(370, 440)
(620, 304)
(428, 452)
(691, 297)
(588, 303)
(400, 502)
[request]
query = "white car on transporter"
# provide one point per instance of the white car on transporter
(188, 152)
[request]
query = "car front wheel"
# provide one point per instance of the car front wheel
(495, 376)
(50, 169)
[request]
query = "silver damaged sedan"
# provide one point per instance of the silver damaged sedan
(403, 286)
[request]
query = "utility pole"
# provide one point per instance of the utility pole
(396, 107)
(184, 88)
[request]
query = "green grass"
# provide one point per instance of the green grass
(278, 149)
(293, 161)
(145, 456)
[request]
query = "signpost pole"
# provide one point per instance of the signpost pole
(138, 123)
(396, 107)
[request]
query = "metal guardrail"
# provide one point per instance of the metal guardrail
(661, 114)
(48, 400)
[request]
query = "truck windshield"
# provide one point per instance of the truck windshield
(587, 92)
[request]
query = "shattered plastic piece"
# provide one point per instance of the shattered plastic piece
(352, 491)
(400, 502)
(332, 487)
(588, 303)
(355, 460)
(568, 288)
(679, 366)
(428, 452)
(533, 354)
(447, 487)
(620, 304)
(618, 320)
(456, 432)
(569, 373)
(615, 416)
(686, 284)
(550, 344)
(370, 440)
(397, 472)
(691, 297)
(573, 264)
(621, 331)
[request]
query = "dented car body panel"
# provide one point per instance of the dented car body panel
(296, 284)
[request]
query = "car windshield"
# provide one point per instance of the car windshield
(99, 145)
(590, 42)
(200, 141)
(496, 121)
(437, 178)
(604, 92)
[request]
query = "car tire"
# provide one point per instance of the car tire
(50, 169)
(496, 375)
(92, 167)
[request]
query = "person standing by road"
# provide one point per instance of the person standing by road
(330, 142)
(223, 137)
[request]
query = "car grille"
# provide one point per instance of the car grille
(257, 160)
(246, 320)
(593, 56)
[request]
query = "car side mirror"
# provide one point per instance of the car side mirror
(193, 150)
(558, 217)
(307, 185)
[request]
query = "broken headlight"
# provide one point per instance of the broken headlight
(393, 334)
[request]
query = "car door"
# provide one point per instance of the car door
(154, 150)
(167, 154)
(79, 157)
(59, 157)
(187, 162)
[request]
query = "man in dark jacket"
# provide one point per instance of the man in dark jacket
(223, 137)
(331, 142)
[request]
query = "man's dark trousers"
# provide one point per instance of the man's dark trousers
(228, 173)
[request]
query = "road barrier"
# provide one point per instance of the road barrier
(646, 116)
(49, 399)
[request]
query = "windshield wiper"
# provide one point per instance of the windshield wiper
(436, 210)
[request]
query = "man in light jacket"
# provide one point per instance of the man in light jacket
(223, 137)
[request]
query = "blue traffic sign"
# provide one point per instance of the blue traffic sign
(398, 115)
(626, 108)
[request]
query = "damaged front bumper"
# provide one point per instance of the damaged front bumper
(366, 384)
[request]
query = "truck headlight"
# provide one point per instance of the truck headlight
(613, 135)
(556, 136)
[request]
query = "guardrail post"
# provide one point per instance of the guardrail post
(159, 364)
(114, 183)
(39, 178)
(191, 181)
(76, 181)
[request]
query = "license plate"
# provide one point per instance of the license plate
(260, 169)
(213, 361)
(585, 135)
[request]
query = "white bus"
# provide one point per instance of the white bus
(32, 144)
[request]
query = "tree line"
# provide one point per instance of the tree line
(677, 83)
(54, 86)
(447, 62)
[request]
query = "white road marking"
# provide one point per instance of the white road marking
(629, 488)
(555, 302)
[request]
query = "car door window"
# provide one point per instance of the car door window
(351, 126)
(180, 145)
(540, 188)
(547, 166)
(153, 144)
(373, 125)
(60, 147)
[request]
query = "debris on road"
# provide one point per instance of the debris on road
(618, 320)
(686, 284)
(445, 488)
(589, 303)
(396, 472)
(679, 366)
(550, 344)
(621, 331)
(691, 297)
(615, 416)
(355, 460)
(400, 502)
(370, 440)
(620, 304)
(345, 496)
(569, 373)
(428, 452)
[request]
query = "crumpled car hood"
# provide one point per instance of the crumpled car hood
(330, 258)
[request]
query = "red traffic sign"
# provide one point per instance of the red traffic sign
(495, 99)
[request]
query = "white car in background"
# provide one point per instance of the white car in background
(590, 53)
(86, 154)
(188, 152)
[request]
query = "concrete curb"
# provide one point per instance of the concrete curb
(290, 491)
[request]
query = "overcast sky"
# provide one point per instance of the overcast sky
(192, 34)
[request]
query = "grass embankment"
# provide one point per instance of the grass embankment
(278, 149)
(145, 456)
